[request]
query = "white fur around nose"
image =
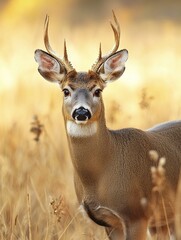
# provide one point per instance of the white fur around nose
(81, 130)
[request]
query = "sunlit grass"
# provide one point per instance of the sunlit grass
(37, 199)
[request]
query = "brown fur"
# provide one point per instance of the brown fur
(112, 169)
(83, 80)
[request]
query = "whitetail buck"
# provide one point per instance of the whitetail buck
(112, 168)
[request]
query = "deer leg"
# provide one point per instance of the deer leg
(137, 230)
(115, 234)
(113, 223)
(133, 231)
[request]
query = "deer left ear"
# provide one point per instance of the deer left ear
(49, 67)
(114, 66)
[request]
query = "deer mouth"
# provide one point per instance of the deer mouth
(81, 122)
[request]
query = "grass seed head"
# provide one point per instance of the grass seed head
(154, 155)
(36, 128)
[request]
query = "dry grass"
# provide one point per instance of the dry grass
(37, 199)
(36, 188)
(160, 188)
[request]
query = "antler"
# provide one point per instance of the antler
(65, 62)
(101, 59)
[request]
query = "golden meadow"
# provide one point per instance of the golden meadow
(37, 199)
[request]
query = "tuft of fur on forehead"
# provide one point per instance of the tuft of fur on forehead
(83, 80)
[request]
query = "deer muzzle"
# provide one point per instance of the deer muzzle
(81, 114)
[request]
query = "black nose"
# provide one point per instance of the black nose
(81, 114)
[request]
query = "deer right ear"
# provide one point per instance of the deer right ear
(114, 66)
(51, 69)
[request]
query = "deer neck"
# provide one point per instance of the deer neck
(89, 146)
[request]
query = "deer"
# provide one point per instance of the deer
(112, 167)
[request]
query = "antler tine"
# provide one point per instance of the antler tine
(116, 38)
(46, 38)
(65, 51)
(100, 53)
(116, 31)
(117, 23)
(49, 49)
(67, 62)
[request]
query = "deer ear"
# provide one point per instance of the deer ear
(49, 67)
(114, 66)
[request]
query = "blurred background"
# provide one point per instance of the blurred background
(150, 30)
(148, 93)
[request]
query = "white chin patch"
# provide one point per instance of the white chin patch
(80, 122)
(81, 129)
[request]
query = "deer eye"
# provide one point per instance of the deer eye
(66, 92)
(97, 92)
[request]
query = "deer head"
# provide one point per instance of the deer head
(82, 90)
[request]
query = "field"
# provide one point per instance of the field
(37, 198)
